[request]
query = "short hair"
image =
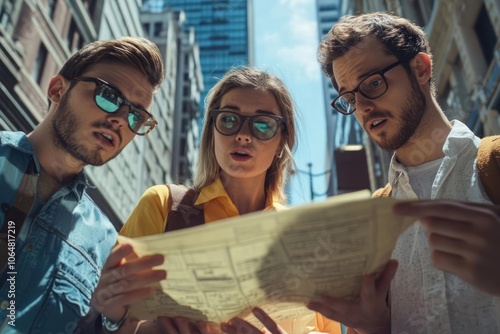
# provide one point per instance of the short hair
(399, 36)
(248, 77)
(137, 52)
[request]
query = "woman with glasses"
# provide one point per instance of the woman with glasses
(245, 157)
(245, 153)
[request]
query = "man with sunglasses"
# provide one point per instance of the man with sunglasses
(55, 237)
(447, 280)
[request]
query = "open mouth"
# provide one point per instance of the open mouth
(106, 138)
(240, 154)
(377, 123)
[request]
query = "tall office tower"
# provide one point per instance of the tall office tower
(224, 31)
(346, 158)
(185, 84)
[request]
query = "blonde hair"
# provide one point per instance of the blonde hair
(247, 77)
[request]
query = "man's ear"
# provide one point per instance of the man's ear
(421, 66)
(57, 88)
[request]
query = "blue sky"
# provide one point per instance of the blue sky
(286, 40)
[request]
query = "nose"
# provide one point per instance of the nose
(118, 120)
(363, 104)
(244, 133)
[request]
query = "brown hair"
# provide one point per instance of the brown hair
(399, 36)
(137, 52)
(248, 77)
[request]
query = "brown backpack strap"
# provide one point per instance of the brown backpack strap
(183, 213)
(488, 165)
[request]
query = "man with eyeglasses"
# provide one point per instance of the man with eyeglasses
(55, 238)
(448, 269)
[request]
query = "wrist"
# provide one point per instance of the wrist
(111, 326)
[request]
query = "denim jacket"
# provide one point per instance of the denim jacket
(58, 258)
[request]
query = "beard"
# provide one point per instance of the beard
(65, 127)
(412, 112)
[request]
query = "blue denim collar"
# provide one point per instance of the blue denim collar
(19, 141)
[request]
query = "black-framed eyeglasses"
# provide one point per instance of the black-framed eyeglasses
(262, 127)
(109, 99)
(372, 87)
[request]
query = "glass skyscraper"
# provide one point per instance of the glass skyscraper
(224, 31)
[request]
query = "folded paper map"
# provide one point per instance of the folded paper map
(277, 260)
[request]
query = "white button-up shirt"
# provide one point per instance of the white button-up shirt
(424, 299)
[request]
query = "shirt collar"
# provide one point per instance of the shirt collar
(19, 141)
(216, 190)
(459, 139)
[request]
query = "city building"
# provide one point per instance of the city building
(346, 154)
(180, 49)
(224, 31)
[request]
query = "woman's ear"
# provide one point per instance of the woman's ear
(421, 66)
(57, 88)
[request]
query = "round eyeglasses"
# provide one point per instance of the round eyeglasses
(109, 99)
(372, 87)
(262, 127)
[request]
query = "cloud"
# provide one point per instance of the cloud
(295, 42)
(296, 2)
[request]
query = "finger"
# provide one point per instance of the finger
(132, 267)
(494, 208)
(384, 281)
(330, 307)
(137, 281)
(227, 328)
(451, 263)
(239, 326)
(116, 256)
(450, 228)
(266, 320)
(184, 325)
(368, 290)
(452, 210)
(167, 326)
(448, 245)
(208, 327)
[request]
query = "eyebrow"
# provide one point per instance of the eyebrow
(235, 108)
(123, 95)
(361, 77)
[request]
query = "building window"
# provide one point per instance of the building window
(145, 27)
(485, 34)
(74, 38)
(6, 10)
(50, 7)
(183, 146)
(90, 6)
(417, 10)
(324, 8)
(39, 64)
(157, 30)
